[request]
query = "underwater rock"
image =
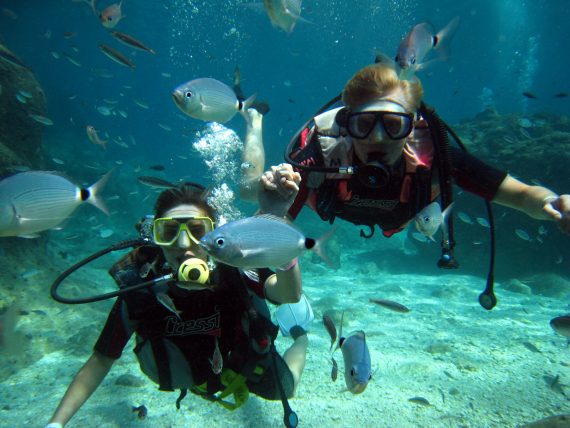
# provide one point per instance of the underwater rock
(548, 284)
(21, 95)
(516, 286)
(130, 381)
(438, 348)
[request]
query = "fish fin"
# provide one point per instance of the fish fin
(382, 58)
(244, 105)
(94, 191)
(424, 66)
(340, 338)
(320, 248)
(444, 37)
(29, 236)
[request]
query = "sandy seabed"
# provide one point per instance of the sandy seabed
(476, 368)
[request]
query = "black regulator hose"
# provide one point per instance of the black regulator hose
(487, 298)
(119, 246)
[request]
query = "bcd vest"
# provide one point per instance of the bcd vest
(340, 195)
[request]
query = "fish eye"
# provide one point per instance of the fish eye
(188, 94)
(397, 59)
(220, 242)
(426, 219)
(369, 377)
(413, 60)
(352, 372)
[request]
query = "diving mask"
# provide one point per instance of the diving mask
(166, 230)
(397, 126)
(396, 123)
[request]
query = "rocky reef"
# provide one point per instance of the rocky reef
(20, 96)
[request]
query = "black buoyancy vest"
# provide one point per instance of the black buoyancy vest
(154, 322)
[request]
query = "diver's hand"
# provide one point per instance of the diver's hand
(558, 209)
(277, 189)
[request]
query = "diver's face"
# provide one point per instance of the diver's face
(378, 144)
(184, 247)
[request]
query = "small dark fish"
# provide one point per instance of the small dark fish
(554, 383)
(155, 182)
(531, 347)
(157, 167)
(331, 329)
(69, 34)
(141, 411)
(419, 400)
(389, 304)
(334, 371)
(561, 95)
(530, 95)
(131, 41)
(116, 56)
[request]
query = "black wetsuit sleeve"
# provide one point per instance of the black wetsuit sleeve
(474, 175)
(116, 332)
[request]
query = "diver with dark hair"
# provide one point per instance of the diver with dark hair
(209, 331)
(381, 159)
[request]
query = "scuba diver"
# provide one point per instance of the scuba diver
(382, 157)
(209, 331)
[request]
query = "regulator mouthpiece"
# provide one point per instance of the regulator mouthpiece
(194, 270)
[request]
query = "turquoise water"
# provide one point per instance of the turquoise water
(476, 368)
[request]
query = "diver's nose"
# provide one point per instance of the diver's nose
(378, 133)
(183, 240)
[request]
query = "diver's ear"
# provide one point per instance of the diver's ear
(341, 117)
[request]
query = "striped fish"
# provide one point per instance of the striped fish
(357, 364)
(34, 201)
(131, 41)
(259, 241)
(209, 100)
(116, 56)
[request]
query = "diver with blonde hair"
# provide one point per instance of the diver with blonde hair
(382, 157)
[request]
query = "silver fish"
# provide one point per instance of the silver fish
(131, 41)
(155, 182)
(259, 241)
(430, 218)
(41, 119)
(390, 304)
(283, 14)
(357, 364)
(217, 361)
(420, 41)
(94, 137)
(111, 15)
(35, 201)
(209, 100)
(116, 56)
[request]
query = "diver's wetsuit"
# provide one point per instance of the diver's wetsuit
(382, 206)
(203, 317)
